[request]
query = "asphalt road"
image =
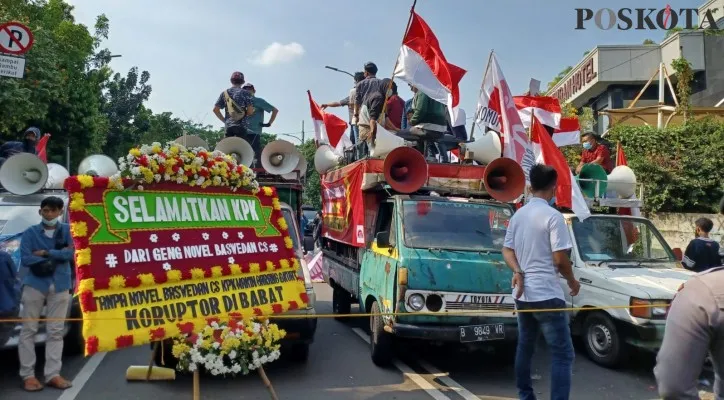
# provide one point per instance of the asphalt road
(339, 367)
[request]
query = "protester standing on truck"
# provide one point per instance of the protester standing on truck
(536, 249)
(349, 101)
(369, 101)
(595, 152)
(238, 106)
(27, 145)
(46, 249)
(256, 120)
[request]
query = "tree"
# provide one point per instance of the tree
(649, 41)
(684, 76)
(123, 106)
(559, 77)
(312, 183)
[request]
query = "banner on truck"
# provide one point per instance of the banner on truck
(343, 205)
(150, 262)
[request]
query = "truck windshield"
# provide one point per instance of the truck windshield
(620, 239)
(17, 218)
(454, 225)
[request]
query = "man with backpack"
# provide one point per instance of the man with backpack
(238, 106)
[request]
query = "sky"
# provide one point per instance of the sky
(191, 47)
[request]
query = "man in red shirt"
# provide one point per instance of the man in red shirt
(594, 153)
(395, 108)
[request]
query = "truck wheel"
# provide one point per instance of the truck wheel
(341, 301)
(380, 341)
(602, 341)
(299, 352)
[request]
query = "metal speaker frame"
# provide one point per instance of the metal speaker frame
(57, 174)
(504, 179)
(238, 148)
(98, 165)
(280, 157)
(23, 174)
(325, 159)
(486, 148)
(405, 170)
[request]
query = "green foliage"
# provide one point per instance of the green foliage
(649, 41)
(680, 167)
(559, 77)
(123, 106)
(312, 183)
(684, 76)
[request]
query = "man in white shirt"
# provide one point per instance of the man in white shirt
(536, 249)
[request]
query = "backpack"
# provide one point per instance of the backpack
(235, 112)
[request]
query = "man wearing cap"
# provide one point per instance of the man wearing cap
(256, 120)
(370, 95)
(27, 145)
(236, 120)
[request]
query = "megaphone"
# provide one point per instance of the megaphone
(486, 149)
(97, 165)
(385, 142)
(590, 176)
(191, 141)
(57, 175)
(405, 169)
(301, 167)
(23, 173)
(622, 180)
(237, 147)
(280, 157)
(504, 179)
(325, 159)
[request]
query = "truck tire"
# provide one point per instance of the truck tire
(604, 345)
(341, 302)
(380, 341)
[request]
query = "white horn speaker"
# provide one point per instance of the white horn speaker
(237, 147)
(622, 180)
(301, 167)
(97, 165)
(280, 157)
(192, 141)
(57, 175)
(385, 143)
(486, 148)
(325, 159)
(23, 174)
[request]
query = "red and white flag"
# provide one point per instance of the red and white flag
(328, 128)
(636, 212)
(547, 110)
(568, 194)
(40, 147)
(497, 111)
(422, 63)
(569, 132)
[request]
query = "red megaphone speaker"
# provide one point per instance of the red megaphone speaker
(504, 179)
(405, 169)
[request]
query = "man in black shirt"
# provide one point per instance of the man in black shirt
(702, 253)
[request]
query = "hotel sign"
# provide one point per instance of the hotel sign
(576, 81)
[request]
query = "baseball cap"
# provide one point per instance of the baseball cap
(248, 86)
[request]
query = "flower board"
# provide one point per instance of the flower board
(152, 260)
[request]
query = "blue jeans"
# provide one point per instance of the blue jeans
(354, 134)
(557, 333)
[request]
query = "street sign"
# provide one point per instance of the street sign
(15, 38)
(13, 67)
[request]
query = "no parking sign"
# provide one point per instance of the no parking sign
(15, 38)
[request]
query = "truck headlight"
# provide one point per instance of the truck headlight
(416, 302)
(648, 309)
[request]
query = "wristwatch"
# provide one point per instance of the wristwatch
(519, 272)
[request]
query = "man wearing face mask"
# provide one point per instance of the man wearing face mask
(27, 145)
(536, 249)
(594, 152)
(46, 249)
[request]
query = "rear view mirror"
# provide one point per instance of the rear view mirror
(678, 254)
(383, 239)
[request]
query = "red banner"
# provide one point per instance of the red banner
(343, 205)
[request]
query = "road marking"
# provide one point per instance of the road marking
(407, 371)
(448, 381)
(82, 378)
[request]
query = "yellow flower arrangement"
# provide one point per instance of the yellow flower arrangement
(79, 229)
(117, 282)
(77, 202)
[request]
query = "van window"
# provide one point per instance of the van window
(292, 224)
(385, 220)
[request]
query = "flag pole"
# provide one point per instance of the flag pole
(397, 61)
(482, 87)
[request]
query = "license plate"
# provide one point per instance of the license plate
(482, 333)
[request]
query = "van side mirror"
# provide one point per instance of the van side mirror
(678, 254)
(383, 239)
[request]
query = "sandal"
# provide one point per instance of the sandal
(32, 384)
(59, 382)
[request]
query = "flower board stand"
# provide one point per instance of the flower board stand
(150, 372)
(267, 383)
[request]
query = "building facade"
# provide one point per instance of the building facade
(611, 76)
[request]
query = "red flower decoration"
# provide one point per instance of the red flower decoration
(293, 305)
(132, 281)
(304, 297)
(186, 275)
(160, 277)
(88, 302)
(207, 273)
(204, 172)
(257, 311)
(124, 341)
(262, 267)
(99, 284)
(83, 272)
(245, 269)
(101, 181)
(161, 169)
(72, 184)
(193, 338)
(186, 328)
(235, 315)
(225, 270)
(277, 308)
(217, 336)
(91, 345)
(211, 320)
(175, 169)
(158, 333)
(143, 161)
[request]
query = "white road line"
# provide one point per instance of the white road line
(448, 381)
(82, 378)
(407, 371)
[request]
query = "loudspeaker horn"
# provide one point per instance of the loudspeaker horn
(23, 174)
(237, 147)
(590, 176)
(280, 157)
(325, 159)
(504, 179)
(191, 141)
(301, 167)
(405, 169)
(97, 165)
(622, 180)
(57, 175)
(486, 149)
(385, 142)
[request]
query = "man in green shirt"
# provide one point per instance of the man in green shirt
(428, 115)
(256, 120)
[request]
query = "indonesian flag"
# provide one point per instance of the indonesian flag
(568, 193)
(620, 155)
(547, 110)
(422, 64)
(328, 128)
(497, 111)
(569, 132)
(40, 147)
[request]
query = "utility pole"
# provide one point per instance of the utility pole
(302, 132)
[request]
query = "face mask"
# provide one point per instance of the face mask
(587, 146)
(50, 222)
(552, 201)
